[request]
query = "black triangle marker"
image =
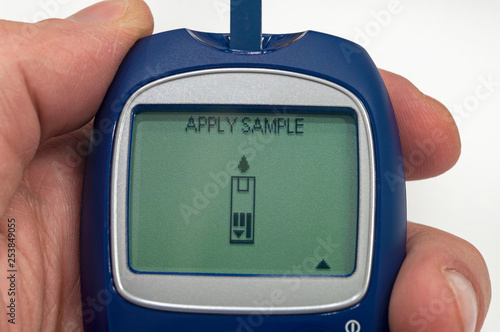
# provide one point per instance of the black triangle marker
(238, 233)
(323, 265)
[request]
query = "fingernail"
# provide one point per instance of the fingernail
(101, 12)
(466, 297)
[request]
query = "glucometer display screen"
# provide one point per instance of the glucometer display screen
(242, 190)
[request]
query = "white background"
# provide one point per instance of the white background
(447, 48)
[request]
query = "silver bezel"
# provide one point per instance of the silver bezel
(242, 294)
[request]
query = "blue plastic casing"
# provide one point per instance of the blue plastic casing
(180, 51)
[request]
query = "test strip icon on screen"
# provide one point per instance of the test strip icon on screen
(242, 215)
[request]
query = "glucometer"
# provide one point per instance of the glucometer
(243, 182)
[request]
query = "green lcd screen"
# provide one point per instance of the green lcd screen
(243, 191)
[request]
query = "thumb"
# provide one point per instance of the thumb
(54, 75)
(443, 284)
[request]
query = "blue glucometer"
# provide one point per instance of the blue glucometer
(243, 182)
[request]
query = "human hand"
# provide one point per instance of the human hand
(443, 284)
(54, 77)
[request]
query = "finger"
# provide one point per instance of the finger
(55, 74)
(48, 203)
(429, 135)
(443, 284)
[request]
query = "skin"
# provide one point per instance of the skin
(54, 76)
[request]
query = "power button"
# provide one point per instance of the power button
(352, 326)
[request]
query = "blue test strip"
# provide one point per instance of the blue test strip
(246, 25)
